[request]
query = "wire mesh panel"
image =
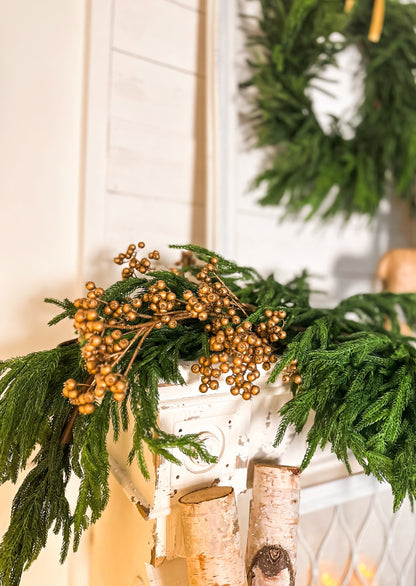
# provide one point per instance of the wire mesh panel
(352, 538)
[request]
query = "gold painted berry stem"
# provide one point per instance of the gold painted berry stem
(139, 345)
(349, 5)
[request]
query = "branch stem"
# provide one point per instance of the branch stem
(66, 437)
(139, 345)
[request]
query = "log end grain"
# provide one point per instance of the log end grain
(205, 494)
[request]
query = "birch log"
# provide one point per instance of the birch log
(274, 513)
(212, 538)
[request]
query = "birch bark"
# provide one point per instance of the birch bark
(212, 538)
(274, 513)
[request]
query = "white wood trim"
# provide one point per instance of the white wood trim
(211, 124)
(98, 96)
(221, 205)
(337, 492)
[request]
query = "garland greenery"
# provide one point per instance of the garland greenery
(293, 46)
(356, 376)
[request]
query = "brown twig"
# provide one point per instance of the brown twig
(139, 345)
(233, 295)
(297, 328)
(67, 343)
(66, 437)
(249, 306)
(120, 356)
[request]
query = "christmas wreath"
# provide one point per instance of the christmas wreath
(322, 172)
(56, 406)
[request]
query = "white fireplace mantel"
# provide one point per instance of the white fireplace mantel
(240, 433)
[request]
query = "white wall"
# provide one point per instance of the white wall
(41, 76)
(148, 124)
(41, 115)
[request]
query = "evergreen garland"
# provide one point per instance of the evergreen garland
(290, 51)
(358, 377)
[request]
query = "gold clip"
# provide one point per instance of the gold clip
(349, 4)
(377, 21)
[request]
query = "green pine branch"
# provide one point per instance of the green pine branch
(39, 505)
(358, 379)
(290, 45)
(90, 463)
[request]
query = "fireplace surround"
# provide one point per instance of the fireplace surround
(348, 535)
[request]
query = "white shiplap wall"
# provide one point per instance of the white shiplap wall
(147, 124)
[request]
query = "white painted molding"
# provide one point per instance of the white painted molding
(211, 106)
(221, 124)
(119, 471)
(338, 492)
(97, 107)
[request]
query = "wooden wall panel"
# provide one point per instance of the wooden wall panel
(155, 165)
(294, 244)
(156, 129)
(133, 218)
(199, 5)
(156, 96)
(161, 31)
(157, 134)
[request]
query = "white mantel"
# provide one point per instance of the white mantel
(240, 433)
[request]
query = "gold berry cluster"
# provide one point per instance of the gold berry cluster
(213, 298)
(162, 302)
(238, 348)
(134, 264)
(102, 340)
(107, 329)
(290, 373)
(79, 395)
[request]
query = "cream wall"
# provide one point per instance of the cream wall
(41, 109)
(42, 47)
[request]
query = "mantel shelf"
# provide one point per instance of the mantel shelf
(240, 433)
